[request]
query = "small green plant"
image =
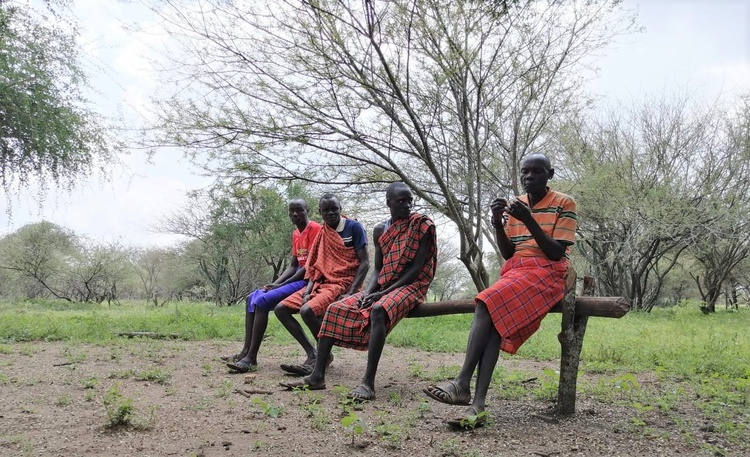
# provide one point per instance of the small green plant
(423, 408)
(353, 426)
(450, 448)
(712, 449)
(391, 433)
(395, 398)
(4, 379)
(119, 407)
(206, 369)
(225, 389)
(308, 397)
(320, 419)
(620, 388)
(90, 383)
(23, 443)
(472, 421)
(347, 404)
(122, 413)
(122, 374)
(74, 357)
(268, 409)
(668, 400)
(64, 400)
(548, 385)
(156, 375)
(90, 395)
(416, 370)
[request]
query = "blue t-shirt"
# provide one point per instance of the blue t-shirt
(353, 234)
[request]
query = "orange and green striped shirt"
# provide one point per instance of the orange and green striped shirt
(555, 214)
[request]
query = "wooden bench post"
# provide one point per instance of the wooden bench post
(571, 343)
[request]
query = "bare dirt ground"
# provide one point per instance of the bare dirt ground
(53, 402)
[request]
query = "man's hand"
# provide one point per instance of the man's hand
(367, 300)
(271, 286)
(499, 207)
(519, 210)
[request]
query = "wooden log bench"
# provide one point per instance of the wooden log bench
(575, 312)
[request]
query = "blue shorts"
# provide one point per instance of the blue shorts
(268, 300)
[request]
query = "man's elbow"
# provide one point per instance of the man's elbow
(555, 256)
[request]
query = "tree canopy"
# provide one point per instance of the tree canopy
(444, 95)
(46, 130)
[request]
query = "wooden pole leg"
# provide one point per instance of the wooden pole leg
(571, 340)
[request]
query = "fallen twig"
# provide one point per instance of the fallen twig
(149, 334)
(250, 392)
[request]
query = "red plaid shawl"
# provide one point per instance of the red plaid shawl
(527, 289)
(399, 245)
(348, 325)
(329, 260)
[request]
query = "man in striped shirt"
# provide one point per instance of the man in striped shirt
(534, 233)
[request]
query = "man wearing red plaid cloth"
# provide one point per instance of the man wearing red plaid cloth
(336, 267)
(405, 261)
(534, 233)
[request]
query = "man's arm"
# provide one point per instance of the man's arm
(499, 207)
(408, 276)
(553, 249)
(359, 275)
(414, 268)
(291, 274)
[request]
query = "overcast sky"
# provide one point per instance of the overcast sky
(698, 47)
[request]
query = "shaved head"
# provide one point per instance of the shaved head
(538, 157)
(399, 199)
(394, 188)
(298, 201)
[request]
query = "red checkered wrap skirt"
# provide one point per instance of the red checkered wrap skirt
(527, 289)
(349, 326)
(321, 297)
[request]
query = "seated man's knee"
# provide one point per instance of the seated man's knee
(378, 315)
(306, 312)
(281, 310)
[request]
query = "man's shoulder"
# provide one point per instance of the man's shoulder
(351, 223)
(561, 197)
(422, 216)
(312, 226)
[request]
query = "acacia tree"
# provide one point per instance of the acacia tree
(94, 273)
(444, 95)
(40, 254)
(46, 131)
(724, 244)
(450, 279)
(238, 235)
(648, 181)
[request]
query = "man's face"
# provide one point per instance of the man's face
(400, 202)
(330, 210)
(298, 213)
(534, 175)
